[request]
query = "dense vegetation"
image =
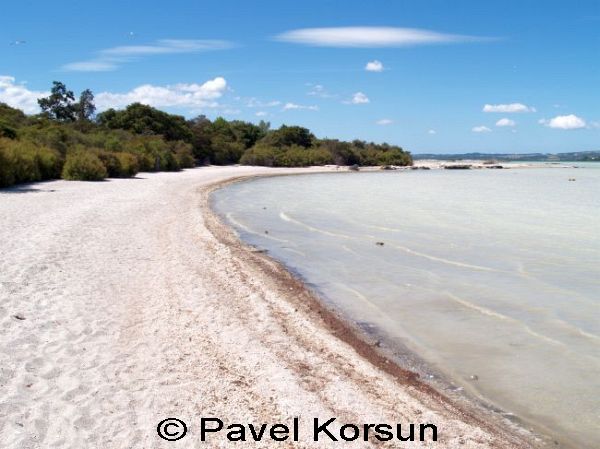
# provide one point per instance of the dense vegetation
(68, 140)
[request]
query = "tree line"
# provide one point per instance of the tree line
(69, 140)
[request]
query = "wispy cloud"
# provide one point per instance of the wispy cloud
(294, 106)
(374, 66)
(318, 90)
(481, 129)
(112, 58)
(90, 66)
(432, 132)
(370, 37)
(566, 122)
(508, 108)
(384, 122)
(254, 102)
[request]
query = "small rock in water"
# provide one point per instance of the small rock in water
(474, 377)
(19, 317)
(379, 243)
(266, 232)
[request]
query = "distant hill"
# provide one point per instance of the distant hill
(579, 156)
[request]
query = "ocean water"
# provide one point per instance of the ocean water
(486, 273)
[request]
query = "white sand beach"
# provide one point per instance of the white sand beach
(126, 302)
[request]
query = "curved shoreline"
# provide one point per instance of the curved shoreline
(128, 301)
(470, 408)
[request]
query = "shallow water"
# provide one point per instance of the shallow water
(493, 273)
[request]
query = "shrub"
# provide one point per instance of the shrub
(129, 166)
(7, 131)
(294, 156)
(49, 162)
(83, 166)
(259, 155)
(297, 156)
(27, 162)
(110, 161)
(225, 152)
(320, 156)
(7, 165)
(393, 157)
(183, 154)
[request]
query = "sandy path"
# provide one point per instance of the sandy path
(134, 311)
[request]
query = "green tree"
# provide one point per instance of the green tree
(287, 136)
(201, 141)
(246, 133)
(59, 104)
(143, 119)
(85, 108)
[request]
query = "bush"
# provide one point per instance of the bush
(110, 161)
(393, 157)
(259, 155)
(7, 131)
(49, 162)
(320, 156)
(184, 154)
(27, 162)
(225, 152)
(129, 166)
(83, 166)
(7, 165)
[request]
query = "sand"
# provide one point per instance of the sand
(126, 302)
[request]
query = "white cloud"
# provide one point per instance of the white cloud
(184, 95)
(255, 103)
(318, 90)
(18, 96)
(384, 121)
(358, 98)
(90, 66)
(481, 129)
(111, 58)
(432, 131)
(178, 95)
(570, 121)
(374, 66)
(370, 37)
(508, 108)
(167, 46)
(505, 122)
(294, 106)
(231, 111)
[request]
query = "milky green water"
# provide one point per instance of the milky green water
(493, 273)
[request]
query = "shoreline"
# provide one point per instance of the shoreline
(362, 339)
(126, 302)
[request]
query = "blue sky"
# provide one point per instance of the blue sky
(435, 65)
